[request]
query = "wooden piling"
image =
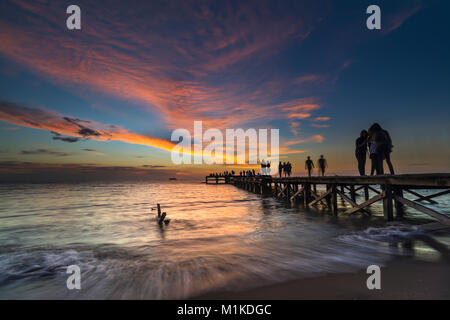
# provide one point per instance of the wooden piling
(161, 218)
(387, 203)
(353, 193)
(306, 194)
(334, 199)
(366, 193)
(399, 210)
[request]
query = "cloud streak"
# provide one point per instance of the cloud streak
(313, 139)
(26, 171)
(47, 151)
(58, 124)
(396, 20)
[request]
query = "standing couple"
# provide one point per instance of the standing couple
(379, 143)
(265, 168)
(285, 167)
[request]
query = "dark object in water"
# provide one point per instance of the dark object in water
(172, 178)
(161, 219)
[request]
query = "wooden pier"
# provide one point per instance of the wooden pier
(217, 180)
(389, 189)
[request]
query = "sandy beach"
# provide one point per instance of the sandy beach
(401, 279)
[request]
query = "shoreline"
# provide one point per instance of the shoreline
(402, 278)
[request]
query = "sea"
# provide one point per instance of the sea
(219, 238)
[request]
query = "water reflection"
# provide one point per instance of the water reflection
(218, 236)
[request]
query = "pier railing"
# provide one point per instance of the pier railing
(389, 189)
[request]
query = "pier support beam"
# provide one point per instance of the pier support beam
(353, 193)
(366, 193)
(306, 194)
(399, 210)
(334, 199)
(329, 196)
(282, 191)
(387, 203)
(439, 216)
(326, 196)
(266, 187)
(299, 191)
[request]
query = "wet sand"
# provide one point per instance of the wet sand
(402, 278)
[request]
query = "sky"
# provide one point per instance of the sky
(102, 102)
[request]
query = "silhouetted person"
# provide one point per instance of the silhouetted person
(373, 154)
(309, 165)
(361, 151)
(285, 169)
(280, 169)
(388, 150)
(289, 168)
(383, 147)
(322, 164)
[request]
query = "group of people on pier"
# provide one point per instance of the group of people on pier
(378, 143)
(249, 173)
(286, 168)
(265, 168)
(321, 165)
(375, 141)
(223, 174)
(244, 173)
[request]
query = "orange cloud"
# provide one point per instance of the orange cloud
(285, 148)
(322, 119)
(285, 151)
(315, 125)
(299, 115)
(317, 138)
(301, 107)
(294, 127)
(64, 125)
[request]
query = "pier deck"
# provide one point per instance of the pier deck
(216, 180)
(389, 189)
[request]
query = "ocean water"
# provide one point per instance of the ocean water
(219, 238)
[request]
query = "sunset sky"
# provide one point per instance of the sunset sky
(103, 101)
